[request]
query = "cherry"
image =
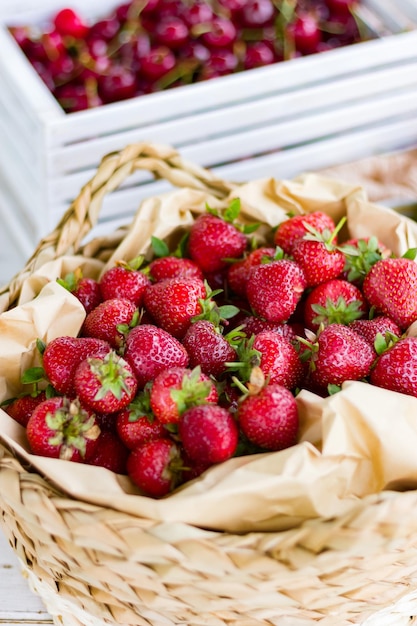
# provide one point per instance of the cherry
(77, 97)
(171, 32)
(158, 62)
(198, 13)
(258, 54)
(195, 50)
(68, 22)
(341, 6)
(256, 13)
(53, 44)
(62, 69)
(119, 83)
(104, 29)
(305, 33)
(221, 62)
(221, 33)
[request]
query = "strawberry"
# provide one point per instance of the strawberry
(274, 289)
(339, 354)
(318, 256)
(110, 320)
(173, 302)
(296, 226)
(369, 329)
(208, 433)
(136, 424)
(269, 418)
(61, 428)
(105, 384)
(274, 354)
(125, 280)
(238, 272)
(213, 239)
(150, 349)
(155, 467)
(22, 407)
(110, 452)
(391, 288)
(209, 348)
(335, 301)
(252, 325)
(62, 355)
(174, 267)
(86, 289)
(395, 369)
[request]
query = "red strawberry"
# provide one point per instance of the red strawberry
(253, 325)
(150, 350)
(106, 384)
(61, 428)
(173, 303)
(174, 267)
(320, 260)
(269, 419)
(296, 227)
(208, 348)
(208, 433)
(178, 388)
(335, 301)
(155, 467)
(238, 272)
(125, 280)
(391, 288)
(369, 329)
(274, 289)
(396, 368)
(213, 240)
(110, 452)
(110, 321)
(62, 356)
(279, 360)
(86, 289)
(340, 354)
(136, 424)
(22, 407)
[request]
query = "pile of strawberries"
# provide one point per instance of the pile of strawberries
(197, 355)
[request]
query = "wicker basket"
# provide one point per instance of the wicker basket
(93, 565)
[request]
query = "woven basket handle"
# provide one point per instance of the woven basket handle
(164, 162)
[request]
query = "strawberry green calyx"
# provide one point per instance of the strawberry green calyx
(72, 427)
(338, 312)
(71, 279)
(247, 359)
(327, 237)
(141, 406)
(361, 257)
(211, 311)
(133, 264)
(194, 391)
(384, 342)
(230, 215)
(112, 371)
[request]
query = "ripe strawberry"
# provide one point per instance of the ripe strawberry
(334, 302)
(340, 354)
(106, 384)
(369, 329)
(62, 356)
(22, 407)
(269, 419)
(110, 321)
(391, 288)
(213, 240)
(136, 424)
(238, 272)
(208, 433)
(319, 258)
(178, 388)
(86, 289)
(208, 347)
(296, 226)
(253, 325)
(155, 467)
(173, 303)
(174, 267)
(395, 369)
(125, 280)
(61, 428)
(110, 452)
(274, 289)
(150, 349)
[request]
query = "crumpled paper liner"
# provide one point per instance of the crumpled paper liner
(352, 444)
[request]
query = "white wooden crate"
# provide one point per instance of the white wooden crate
(274, 120)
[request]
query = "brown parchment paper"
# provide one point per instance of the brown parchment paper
(355, 443)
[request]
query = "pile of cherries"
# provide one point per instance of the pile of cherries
(145, 46)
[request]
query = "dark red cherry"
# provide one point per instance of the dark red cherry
(305, 33)
(257, 13)
(222, 33)
(119, 83)
(258, 54)
(172, 32)
(77, 98)
(158, 62)
(68, 22)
